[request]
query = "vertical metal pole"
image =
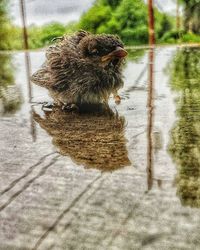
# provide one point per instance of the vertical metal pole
(28, 65)
(25, 37)
(23, 15)
(150, 107)
(151, 23)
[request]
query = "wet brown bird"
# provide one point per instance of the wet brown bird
(82, 69)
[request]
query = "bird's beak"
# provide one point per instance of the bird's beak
(119, 52)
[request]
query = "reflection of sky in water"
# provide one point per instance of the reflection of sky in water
(64, 11)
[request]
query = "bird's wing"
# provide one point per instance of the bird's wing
(55, 55)
(61, 62)
(42, 77)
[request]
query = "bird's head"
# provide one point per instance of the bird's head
(103, 50)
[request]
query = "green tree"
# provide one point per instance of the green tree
(191, 15)
(165, 25)
(112, 3)
(5, 25)
(127, 18)
(42, 36)
(97, 15)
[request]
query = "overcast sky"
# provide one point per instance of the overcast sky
(64, 11)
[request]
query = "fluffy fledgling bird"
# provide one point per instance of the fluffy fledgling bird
(82, 69)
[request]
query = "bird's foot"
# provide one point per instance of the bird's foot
(70, 107)
(48, 106)
(117, 99)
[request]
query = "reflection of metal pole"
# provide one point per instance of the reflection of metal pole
(150, 106)
(28, 72)
(33, 125)
(151, 23)
(25, 38)
(23, 14)
(28, 65)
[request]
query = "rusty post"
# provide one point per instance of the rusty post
(150, 113)
(151, 23)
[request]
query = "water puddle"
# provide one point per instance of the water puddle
(144, 153)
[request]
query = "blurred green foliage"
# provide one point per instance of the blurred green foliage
(43, 36)
(191, 16)
(181, 36)
(38, 36)
(6, 70)
(10, 94)
(185, 136)
(127, 18)
(4, 26)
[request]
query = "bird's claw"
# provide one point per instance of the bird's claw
(48, 106)
(117, 99)
(70, 107)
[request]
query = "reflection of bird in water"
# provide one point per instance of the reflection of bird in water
(94, 140)
(82, 68)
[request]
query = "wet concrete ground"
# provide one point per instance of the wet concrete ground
(127, 179)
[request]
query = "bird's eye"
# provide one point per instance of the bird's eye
(94, 52)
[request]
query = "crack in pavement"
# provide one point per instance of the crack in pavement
(28, 171)
(27, 184)
(64, 212)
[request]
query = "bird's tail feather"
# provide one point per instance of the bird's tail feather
(41, 77)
